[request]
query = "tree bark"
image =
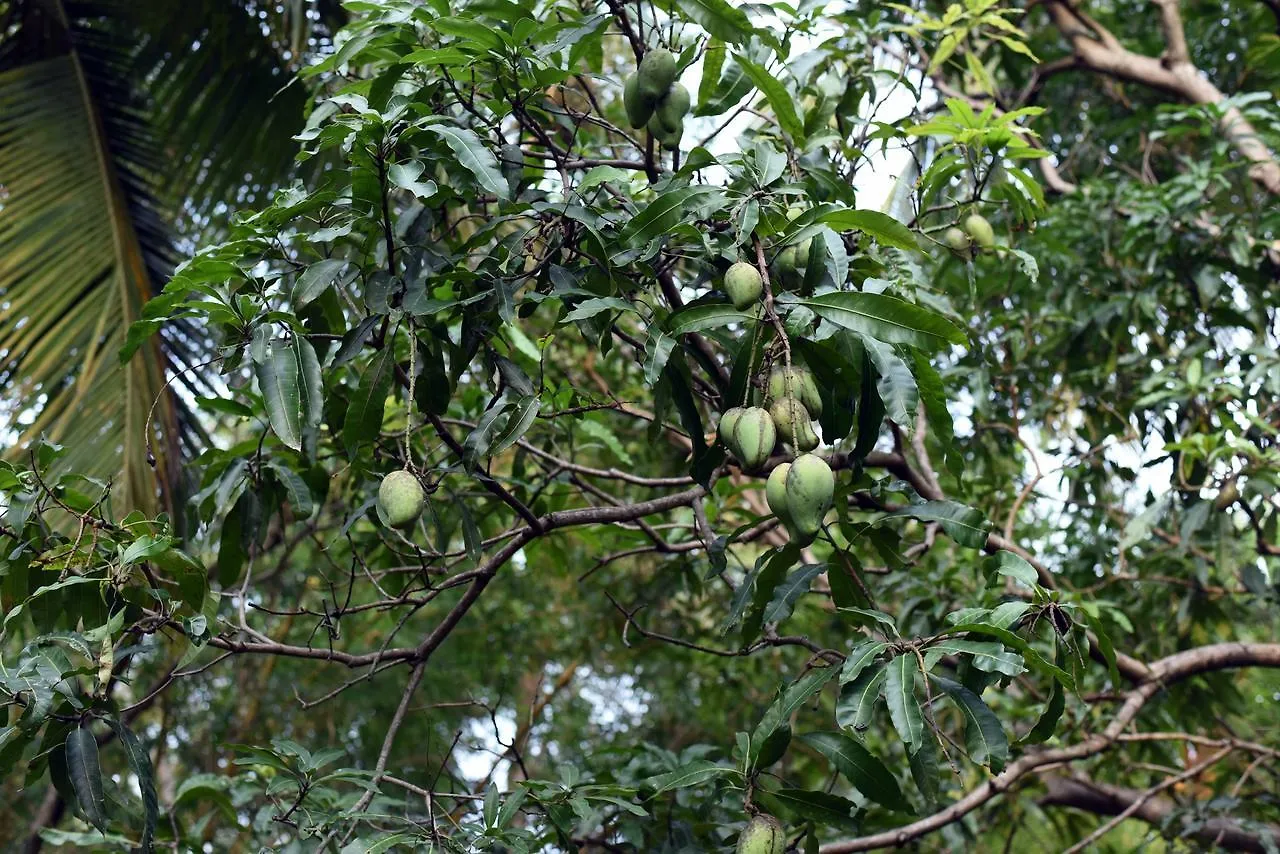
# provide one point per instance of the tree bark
(1105, 799)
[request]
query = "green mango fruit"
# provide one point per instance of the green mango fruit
(656, 74)
(786, 261)
(775, 494)
(673, 107)
(793, 423)
(752, 437)
(789, 265)
(400, 499)
(810, 487)
(957, 241)
(730, 417)
(639, 108)
(980, 230)
(743, 285)
(762, 835)
(796, 382)
(669, 138)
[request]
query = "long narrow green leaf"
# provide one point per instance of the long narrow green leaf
(857, 701)
(867, 773)
(86, 775)
(983, 735)
(474, 157)
(784, 108)
(277, 375)
(140, 765)
(364, 413)
(881, 226)
(886, 318)
(718, 18)
(900, 696)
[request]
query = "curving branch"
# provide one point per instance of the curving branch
(1106, 799)
(1098, 50)
(1163, 673)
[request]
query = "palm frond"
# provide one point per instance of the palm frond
(124, 124)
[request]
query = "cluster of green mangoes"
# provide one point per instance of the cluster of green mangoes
(800, 492)
(654, 99)
(762, 835)
(400, 499)
(976, 232)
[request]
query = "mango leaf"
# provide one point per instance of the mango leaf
(364, 413)
(1048, 721)
(312, 388)
(857, 701)
(861, 657)
(884, 228)
(86, 775)
(983, 736)
(867, 773)
(886, 318)
(924, 770)
(732, 86)
(1015, 567)
(900, 696)
(766, 582)
(966, 525)
(315, 280)
(790, 590)
(1034, 659)
(696, 318)
(140, 765)
(474, 157)
(695, 773)
(784, 108)
(660, 216)
(277, 374)
(795, 696)
(988, 656)
(295, 487)
(718, 18)
(819, 807)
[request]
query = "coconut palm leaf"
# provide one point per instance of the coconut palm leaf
(124, 125)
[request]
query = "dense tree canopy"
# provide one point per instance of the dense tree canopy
(884, 441)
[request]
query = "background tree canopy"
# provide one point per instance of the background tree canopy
(1014, 587)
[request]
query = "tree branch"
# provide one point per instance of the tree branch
(1174, 74)
(1106, 799)
(1163, 673)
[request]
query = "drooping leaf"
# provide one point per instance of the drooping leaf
(140, 765)
(720, 19)
(983, 735)
(867, 773)
(786, 594)
(966, 525)
(85, 774)
(900, 696)
(694, 774)
(779, 98)
(278, 378)
(473, 156)
(364, 412)
(857, 701)
(792, 698)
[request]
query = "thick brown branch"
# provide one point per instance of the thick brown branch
(1175, 74)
